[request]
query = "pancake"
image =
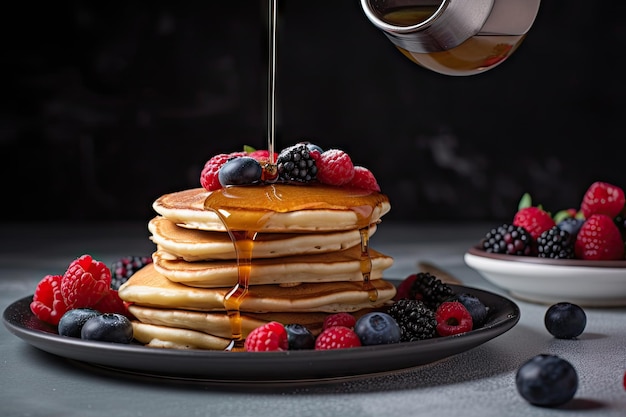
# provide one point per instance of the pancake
(326, 267)
(198, 245)
(174, 338)
(275, 208)
(218, 324)
(149, 288)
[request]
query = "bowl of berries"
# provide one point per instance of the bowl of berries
(575, 255)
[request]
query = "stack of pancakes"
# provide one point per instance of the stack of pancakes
(308, 257)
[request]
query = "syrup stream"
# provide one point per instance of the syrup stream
(243, 235)
(271, 122)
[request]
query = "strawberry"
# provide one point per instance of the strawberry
(208, 177)
(85, 282)
(603, 198)
(363, 178)
(337, 337)
(48, 304)
(334, 167)
(534, 219)
(599, 238)
(339, 319)
(453, 318)
(271, 336)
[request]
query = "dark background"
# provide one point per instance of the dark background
(106, 106)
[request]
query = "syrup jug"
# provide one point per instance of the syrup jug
(454, 37)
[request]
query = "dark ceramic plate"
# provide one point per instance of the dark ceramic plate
(249, 367)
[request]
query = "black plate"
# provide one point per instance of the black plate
(304, 365)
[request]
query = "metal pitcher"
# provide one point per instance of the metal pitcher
(454, 37)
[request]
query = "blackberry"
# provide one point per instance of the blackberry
(555, 243)
(416, 320)
(295, 163)
(430, 289)
(508, 239)
(124, 268)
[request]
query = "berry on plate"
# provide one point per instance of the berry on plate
(453, 318)
(271, 336)
(377, 328)
(508, 239)
(364, 178)
(602, 198)
(416, 320)
(125, 267)
(71, 324)
(209, 178)
(534, 219)
(477, 309)
(337, 337)
(85, 282)
(339, 319)
(48, 304)
(299, 337)
(599, 238)
(108, 327)
(335, 167)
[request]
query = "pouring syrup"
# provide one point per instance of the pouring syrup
(243, 225)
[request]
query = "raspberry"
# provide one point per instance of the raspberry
(599, 238)
(334, 167)
(534, 219)
(363, 178)
(337, 337)
(111, 303)
(452, 318)
(339, 319)
(48, 304)
(603, 198)
(85, 282)
(404, 289)
(262, 155)
(208, 177)
(271, 336)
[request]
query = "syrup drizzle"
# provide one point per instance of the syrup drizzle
(271, 122)
(366, 264)
(243, 230)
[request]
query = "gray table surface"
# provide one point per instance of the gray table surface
(479, 382)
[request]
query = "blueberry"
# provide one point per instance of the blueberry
(299, 337)
(377, 328)
(243, 170)
(108, 327)
(571, 225)
(313, 147)
(476, 308)
(565, 320)
(73, 320)
(547, 381)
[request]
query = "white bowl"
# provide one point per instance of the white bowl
(548, 281)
